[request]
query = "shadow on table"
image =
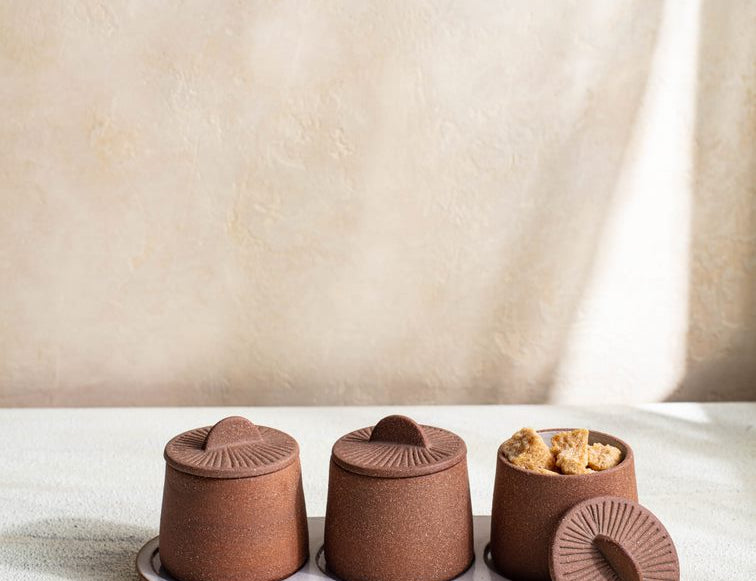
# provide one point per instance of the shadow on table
(75, 548)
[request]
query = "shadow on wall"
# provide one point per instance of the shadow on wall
(507, 349)
(722, 306)
(547, 271)
(74, 548)
(418, 218)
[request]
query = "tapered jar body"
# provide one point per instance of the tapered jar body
(398, 504)
(233, 509)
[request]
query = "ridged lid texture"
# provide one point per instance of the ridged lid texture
(612, 539)
(232, 448)
(397, 447)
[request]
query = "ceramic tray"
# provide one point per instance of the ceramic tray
(148, 560)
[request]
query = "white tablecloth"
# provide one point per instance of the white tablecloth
(80, 489)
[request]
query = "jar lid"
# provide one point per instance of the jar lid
(612, 538)
(397, 447)
(232, 448)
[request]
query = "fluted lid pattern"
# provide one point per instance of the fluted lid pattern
(612, 539)
(232, 448)
(397, 447)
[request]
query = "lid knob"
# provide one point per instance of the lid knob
(620, 559)
(399, 430)
(231, 431)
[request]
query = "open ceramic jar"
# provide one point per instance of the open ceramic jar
(398, 504)
(528, 506)
(233, 504)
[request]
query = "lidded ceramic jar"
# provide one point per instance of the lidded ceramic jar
(398, 504)
(233, 504)
(528, 506)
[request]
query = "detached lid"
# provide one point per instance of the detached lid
(612, 538)
(397, 447)
(232, 448)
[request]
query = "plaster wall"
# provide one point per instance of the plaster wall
(376, 202)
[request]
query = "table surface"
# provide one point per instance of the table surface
(80, 489)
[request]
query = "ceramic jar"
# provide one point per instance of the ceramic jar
(398, 504)
(528, 506)
(233, 504)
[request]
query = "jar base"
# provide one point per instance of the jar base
(149, 567)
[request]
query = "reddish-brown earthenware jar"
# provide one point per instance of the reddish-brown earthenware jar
(233, 504)
(398, 504)
(528, 506)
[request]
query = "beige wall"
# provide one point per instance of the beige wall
(290, 202)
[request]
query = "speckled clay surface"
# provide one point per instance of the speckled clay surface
(527, 507)
(149, 565)
(233, 504)
(610, 538)
(398, 504)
